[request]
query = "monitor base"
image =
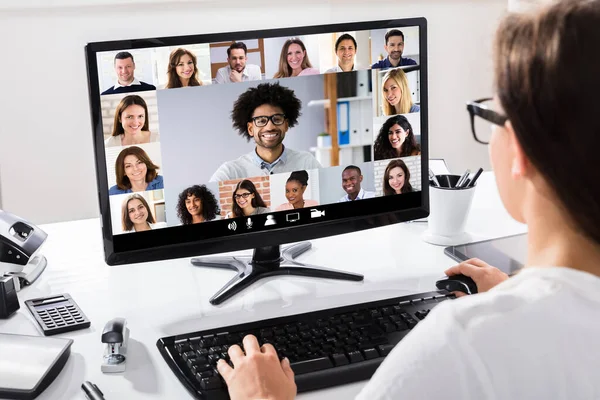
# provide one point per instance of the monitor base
(265, 262)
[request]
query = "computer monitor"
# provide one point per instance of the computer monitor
(248, 140)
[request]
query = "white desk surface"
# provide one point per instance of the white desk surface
(171, 297)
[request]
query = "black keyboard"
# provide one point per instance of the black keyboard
(325, 348)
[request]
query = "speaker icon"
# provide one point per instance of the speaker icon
(232, 226)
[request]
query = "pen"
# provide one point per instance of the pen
(92, 392)
(433, 178)
(462, 178)
(472, 183)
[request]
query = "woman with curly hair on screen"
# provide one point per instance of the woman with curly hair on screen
(396, 139)
(197, 204)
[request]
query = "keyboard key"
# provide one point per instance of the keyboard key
(303, 367)
(385, 349)
(340, 359)
(213, 382)
(370, 354)
(355, 356)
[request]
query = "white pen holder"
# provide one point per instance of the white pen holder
(449, 209)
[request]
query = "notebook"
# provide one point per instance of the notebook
(29, 364)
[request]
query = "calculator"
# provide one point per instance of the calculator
(57, 314)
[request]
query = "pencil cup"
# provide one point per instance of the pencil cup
(449, 208)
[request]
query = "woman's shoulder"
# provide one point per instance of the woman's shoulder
(284, 206)
(262, 210)
(158, 225)
(115, 190)
(309, 71)
(310, 203)
(415, 108)
(113, 141)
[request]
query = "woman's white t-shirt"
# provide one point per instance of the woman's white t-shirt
(534, 336)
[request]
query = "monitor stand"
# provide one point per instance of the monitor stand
(265, 262)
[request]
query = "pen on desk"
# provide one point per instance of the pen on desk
(472, 183)
(462, 178)
(433, 178)
(92, 392)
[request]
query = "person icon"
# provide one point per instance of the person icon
(270, 220)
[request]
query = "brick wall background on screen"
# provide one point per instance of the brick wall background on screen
(226, 192)
(413, 164)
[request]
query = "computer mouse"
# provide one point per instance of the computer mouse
(461, 283)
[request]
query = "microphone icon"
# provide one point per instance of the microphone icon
(249, 223)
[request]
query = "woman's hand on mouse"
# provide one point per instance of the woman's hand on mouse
(257, 374)
(484, 275)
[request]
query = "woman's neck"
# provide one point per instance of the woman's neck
(197, 218)
(141, 227)
(553, 240)
(129, 138)
(184, 82)
(296, 72)
(248, 210)
(138, 186)
(299, 204)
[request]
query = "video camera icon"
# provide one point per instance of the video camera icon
(314, 213)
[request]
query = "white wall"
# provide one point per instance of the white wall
(46, 153)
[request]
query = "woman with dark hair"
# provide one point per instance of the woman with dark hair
(247, 200)
(130, 125)
(294, 191)
(396, 139)
(293, 60)
(136, 215)
(534, 335)
(197, 204)
(396, 178)
(182, 70)
(135, 172)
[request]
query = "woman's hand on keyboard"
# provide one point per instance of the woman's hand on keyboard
(484, 275)
(258, 374)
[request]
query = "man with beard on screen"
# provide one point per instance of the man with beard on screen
(238, 70)
(265, 113)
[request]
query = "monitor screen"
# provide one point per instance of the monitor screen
(226, 141)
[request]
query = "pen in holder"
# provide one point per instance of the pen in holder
(449, 207)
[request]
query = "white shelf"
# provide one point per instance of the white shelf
(326, 102)
(343, 146)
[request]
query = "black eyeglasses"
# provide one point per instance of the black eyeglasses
(244, 195)
(263, 120)
(481, 108)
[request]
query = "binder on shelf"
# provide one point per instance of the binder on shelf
(343, 116)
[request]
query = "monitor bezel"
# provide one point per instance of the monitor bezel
(276, 236)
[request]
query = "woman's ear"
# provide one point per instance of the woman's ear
(520, 166)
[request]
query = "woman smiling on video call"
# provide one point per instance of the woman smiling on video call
(396, 95)
(182, 70)
(294, 61)
(535, 335)
(136, 215)
(135, 172)
(130, 125)
(246, 200)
